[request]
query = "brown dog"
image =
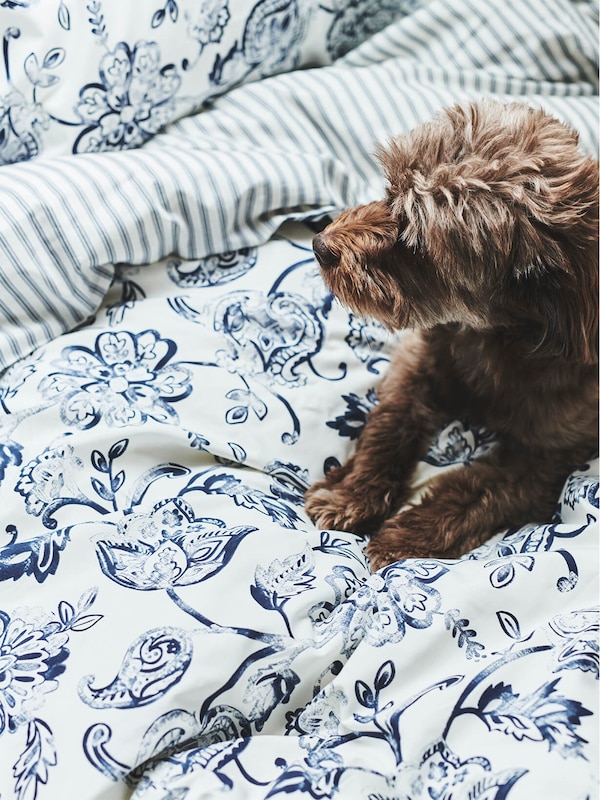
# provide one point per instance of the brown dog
(486, 246)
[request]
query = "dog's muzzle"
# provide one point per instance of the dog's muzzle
(322, 252)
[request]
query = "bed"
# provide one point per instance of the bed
(175, 375)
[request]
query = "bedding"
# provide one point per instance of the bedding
(175, 375)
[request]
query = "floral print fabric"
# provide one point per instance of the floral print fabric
(103, 75)
(172, 624)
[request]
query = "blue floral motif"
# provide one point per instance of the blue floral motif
(14, 378)
(208, 22)
(132, 101)
(221, 734)
(247, 497)
(10, 455)
(317, 776)
(124, 380)
(52, 481)
(367, 339)
(33, 651)
(131, 293)
(503, 568)
(170, 8)
(270, 686)
(32, 656)
(356, 20)
(447, 776)
(459, 443)
(270, 335)
(49, 476)
(22, 120)
(382, 608)
(39, 755)
(168, 547)
(214, 270)
(464, 635)
(289, 481)
(282, 580)
(38, 555)
(353, 420)
(581, 487)
(272, 35)
(576, 641)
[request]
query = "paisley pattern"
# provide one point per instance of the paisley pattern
(172, 625)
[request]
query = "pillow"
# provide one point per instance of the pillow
(107, 74)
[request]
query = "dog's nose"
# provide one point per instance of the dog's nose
(324, 255)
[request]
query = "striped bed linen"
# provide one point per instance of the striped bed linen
(294, 146)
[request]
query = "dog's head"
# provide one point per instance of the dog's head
(490, 219)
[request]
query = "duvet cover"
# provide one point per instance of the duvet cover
(174, 376)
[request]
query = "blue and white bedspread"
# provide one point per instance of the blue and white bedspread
(175, 374)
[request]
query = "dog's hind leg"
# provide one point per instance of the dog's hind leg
(464, 507)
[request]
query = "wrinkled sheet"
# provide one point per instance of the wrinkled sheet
(172, 625)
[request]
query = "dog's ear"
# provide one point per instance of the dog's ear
(555, 255)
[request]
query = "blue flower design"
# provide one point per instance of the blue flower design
(318, 775)
(458, 443)
(368, 340)
(357, 20)
(214, 270)
(270, 335)
(247, 497)
(208, 22)
(444, 775)
(134, 99)
(503, 568)
(580, 487)
(272, 34)
(576, 637)
(10, 454)
(269, 687)
(21, 120)
(270, 44)
(32, 655)
(168, 547)
(353, 420)
(124, 380)
(49, 476)
(15, 377)
(382, 608)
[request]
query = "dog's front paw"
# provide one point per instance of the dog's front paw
(342, 505)
(393, 542)
(379, 555)
(331, 508)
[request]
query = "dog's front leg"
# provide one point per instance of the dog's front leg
(372, 485)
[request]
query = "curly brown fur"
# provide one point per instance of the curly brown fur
(486, 246)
